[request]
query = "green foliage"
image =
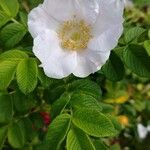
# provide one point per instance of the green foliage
(6, 108)
(3, 132)
(114, 68)
(37, 112)
(93, 123)
(81, 100)
(57, 131)
(133, 33)
(16, 136)
(12, 34)
(147, 46)
(27, 75)
(10, 7)
(78, 140)
(86, 86)
(7, 72)
(137, 59)
(13, 55)
(3, 18)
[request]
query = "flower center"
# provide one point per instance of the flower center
(74, 35)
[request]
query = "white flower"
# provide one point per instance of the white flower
(75, 36)
(128, 3)
(142, 131)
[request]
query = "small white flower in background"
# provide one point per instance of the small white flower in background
(143, 131)
(75, 36)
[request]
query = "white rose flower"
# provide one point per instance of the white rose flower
(128, 3)
(75, 36)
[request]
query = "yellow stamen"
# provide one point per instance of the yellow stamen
(74, 35)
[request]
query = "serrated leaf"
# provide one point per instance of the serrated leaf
(107, 108)
(147, 46)
(23, 18)
(27, 75)
(60, 104)
(114, 68)
(137, 60)
(12, 34)
(81, 100)
(6, 108)
(115, 122)
(10, 7)
(133, 34)
(93, 123)
(99, 145)
(45, 81)
(7, 72)
(3, 18)
(78, 140)
(86, 86)
(16, 136)
(3, 133)
(57, 131)
(13, 55)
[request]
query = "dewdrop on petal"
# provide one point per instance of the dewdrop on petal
(75, 36)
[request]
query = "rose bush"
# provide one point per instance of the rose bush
(47, 47)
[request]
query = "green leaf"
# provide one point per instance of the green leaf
(16, 136)
(60, 104)
(23, 103)
(13, 55)
(115, 122)
(3, 18)
(23, 18)
(57, 131)
(147, 46)
(6, 108)
(149, 34)
(115, 147)
(133, 33)
(27, 128)
(56, 89)
(7, 72)
(86, 86)
(10, 7)
(78, 140)
(12, 34)
(107, 108)
(99, 145)
(81, 100)
(93, 123)
(114, 68)
(27, 75)
(3, 133)
(45, 81)
(137, 59)
(35, 3)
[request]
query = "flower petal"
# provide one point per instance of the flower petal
(111, 13)
(89, 62)
(87, 10)
(107, 40)
(61, 10)
(57, 63)
(108, 27)
(39, 20)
